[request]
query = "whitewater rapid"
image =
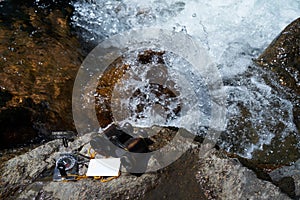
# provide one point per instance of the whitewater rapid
(233, 32)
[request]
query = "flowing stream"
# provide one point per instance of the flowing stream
(259, 115)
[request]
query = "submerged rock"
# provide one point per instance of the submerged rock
(159, 86)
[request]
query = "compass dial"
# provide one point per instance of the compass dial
(67, 160)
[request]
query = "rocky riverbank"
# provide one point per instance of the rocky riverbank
(39, 60)
(201, 173)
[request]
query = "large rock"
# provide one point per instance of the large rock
(125, 187)
(39, 58)
(288, 179)
(23, 177)
(283, 57)
(200, 173)
(29, 176)
(225, 178)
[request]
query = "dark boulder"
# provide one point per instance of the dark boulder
(282, 56)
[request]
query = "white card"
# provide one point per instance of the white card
(104, 167)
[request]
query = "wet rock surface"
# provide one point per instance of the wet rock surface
(263, 105)
(283, 58)
(118, 70)
(178, 181)
(39, 61)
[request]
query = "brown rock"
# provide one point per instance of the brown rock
(38, 64)
(283, 56)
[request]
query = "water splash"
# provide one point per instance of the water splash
(234, 32)
(257, 114)
(163, 91)
(101, 19)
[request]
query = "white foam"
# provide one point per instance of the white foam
(235, 28)
(233, 31)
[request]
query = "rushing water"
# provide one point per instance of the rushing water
(260, 116)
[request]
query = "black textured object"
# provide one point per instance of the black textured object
(114, 134)
(116, 142)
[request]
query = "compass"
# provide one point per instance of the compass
(66, 167)
(67, 160)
